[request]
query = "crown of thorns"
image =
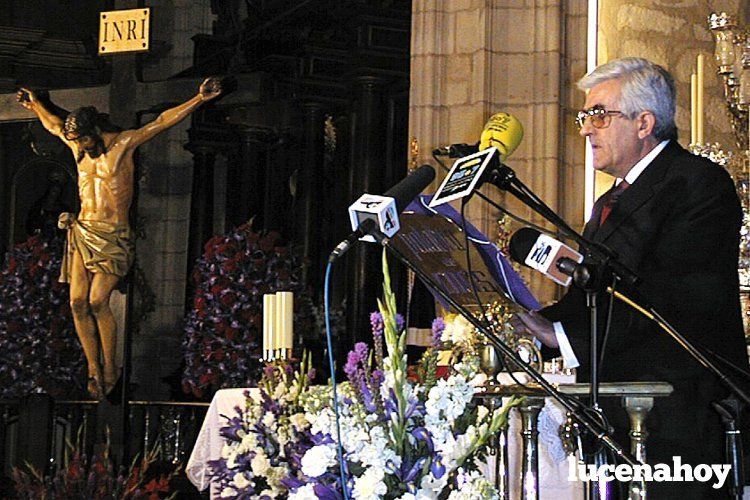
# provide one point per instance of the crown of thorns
(81, 122)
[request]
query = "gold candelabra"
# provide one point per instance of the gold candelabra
(732, 57)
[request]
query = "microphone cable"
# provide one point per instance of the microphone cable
(332, 365)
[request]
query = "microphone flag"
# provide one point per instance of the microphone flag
(379, 208)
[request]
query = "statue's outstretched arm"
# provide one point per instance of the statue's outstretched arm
(50, 120)
(209, 90)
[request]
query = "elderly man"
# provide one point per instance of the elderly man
(674, 218)
(100, 247)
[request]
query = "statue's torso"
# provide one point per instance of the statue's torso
(105, 184)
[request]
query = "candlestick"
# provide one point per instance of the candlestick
(269, 325)
(699, 114)
(285, 319)
(693, 109)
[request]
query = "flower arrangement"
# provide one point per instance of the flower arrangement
(221, 346)
(402, 438)
(39, 349)
(97, 479)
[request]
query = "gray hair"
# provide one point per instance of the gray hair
(645, 87)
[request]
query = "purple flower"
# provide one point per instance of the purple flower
(437, 468)
(422, 434)
(438, 327)
(355, 359)
(399, 322)
(326, 492)
(376, 321)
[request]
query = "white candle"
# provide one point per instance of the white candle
(693, 109)
(285, 319)
(699, 114)
(269, 325)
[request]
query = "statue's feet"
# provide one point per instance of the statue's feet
(95, 388)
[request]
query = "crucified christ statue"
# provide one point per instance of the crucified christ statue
(99, 249)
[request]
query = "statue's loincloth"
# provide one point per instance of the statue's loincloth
(104, 247)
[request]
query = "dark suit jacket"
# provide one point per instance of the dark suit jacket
(677, 226)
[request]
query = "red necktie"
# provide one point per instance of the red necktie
(611, 200)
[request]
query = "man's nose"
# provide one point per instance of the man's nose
(587, 129)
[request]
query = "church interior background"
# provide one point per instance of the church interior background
(331, 98)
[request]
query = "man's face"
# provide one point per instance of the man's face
(90, 144)
(616, 147)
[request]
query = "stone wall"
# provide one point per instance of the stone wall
(672, 33)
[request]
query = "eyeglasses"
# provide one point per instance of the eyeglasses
(600, 117)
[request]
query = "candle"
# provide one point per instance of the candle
(269, 325)
(285, 319)
(693, 109)
(699, 99)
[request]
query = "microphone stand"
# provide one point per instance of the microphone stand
(571, 406)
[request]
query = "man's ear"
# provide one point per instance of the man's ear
(646, 122)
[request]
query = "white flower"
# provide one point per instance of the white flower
(305, 492)
(321, 422)
(473, 486)
(228, 493)
(269, 420)
(458, 330)
(299, 422)
(232, 461)
(240, 481)
(260, 463)
(279, 391)
(227, 450)
(249, 442)
(433, 485)
(370, 485)
(317, 460)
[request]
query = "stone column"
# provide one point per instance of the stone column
(368, 158)
(201, 202)
(309, 189)
(276, 177)
(245, 189)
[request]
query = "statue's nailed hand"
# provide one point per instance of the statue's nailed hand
(210, 88)
(26, 97)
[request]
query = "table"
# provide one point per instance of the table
(209, 443)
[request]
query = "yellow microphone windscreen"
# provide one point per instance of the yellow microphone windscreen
(503, 131)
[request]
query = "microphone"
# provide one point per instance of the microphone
(539, 251)
(456, 150)
(501, 136)
(502, 131)
(372, 212)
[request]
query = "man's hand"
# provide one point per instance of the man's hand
(536, 325)
(27, 98)
(210, 88)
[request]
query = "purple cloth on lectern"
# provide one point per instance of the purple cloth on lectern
(496, 262)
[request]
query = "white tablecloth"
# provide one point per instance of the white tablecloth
(209, 443)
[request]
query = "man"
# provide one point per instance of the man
(674, 219)
(100, 247)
